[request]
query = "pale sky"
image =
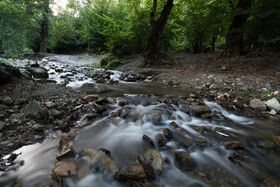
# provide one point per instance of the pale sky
(58, 5)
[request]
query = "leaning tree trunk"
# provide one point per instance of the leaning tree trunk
(44, 29)
(234, 39)
(158, 26)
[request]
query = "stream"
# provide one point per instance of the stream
(147, 119)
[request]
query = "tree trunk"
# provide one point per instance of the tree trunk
(234, 39)
(44, 29)
(214, 38)
(1, 46)
(151, 51)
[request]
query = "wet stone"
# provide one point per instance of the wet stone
(83, 172)
(90, 98)
(131, 172)
(167, 133)
(233, 145)
(91, 115)
(201, 141)
(155, 159)
(116, 113)
(201, 109)
(184, 161)
(64, 168)
(109, 167)
(198, 129)
(67, 150)
(2, 125)
(148, 139)
(160, 140)
(173, 124)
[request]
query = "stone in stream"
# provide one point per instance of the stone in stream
(184, 161)
(116, 113)
(39, 73)
(99, 108)
(154, 158)
(270, 182)
(25, 73)
(91, 115)
(233, 145)
(131, 172)
(108, 167)
(167, 133)
(64, 168)
(149, 140)
(201, 141)
(34, 110)
(83, 172)
(93, 156)
(173, 124)
(66, 150)
(273, 104)
(160, 140)
(201, 109)
(90, 98)
(55, 112)
(182, 140)
(198, 129)
(2, 125)
(257, 104)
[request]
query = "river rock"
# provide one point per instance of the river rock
(39, 73)
(38, 127)
(273, 104)
(83, 172)
(131, 172)
(201, 109)
(257, 104)
(108, 166)
(7, 72)
(66, 150)
(201, 141)
(277, 140)
(63, 168)
(34, 110)
(154, 158)
(167, 133)
(116, 113)
(270, 182)
(55, 112)
(160, 140)
(25, 73)
(185, 162)
(148, 140)
(233, 145)
(7, 101)
(90, 98)
(173, 124)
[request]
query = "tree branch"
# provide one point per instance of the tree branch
(153, 13)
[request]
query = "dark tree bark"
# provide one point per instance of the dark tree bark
(1, 47)
(44, 28)
(234, 39)
(213, 42)
(151, 51)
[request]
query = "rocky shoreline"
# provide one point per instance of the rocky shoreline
(31, 109)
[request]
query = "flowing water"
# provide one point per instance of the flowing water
(216, 164)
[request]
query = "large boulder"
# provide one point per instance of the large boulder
(155, 159)
(39, 73)
(34, 110)
(7, 72)
(257, 104)
(184, 161)
(273, 104)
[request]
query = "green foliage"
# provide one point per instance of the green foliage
(110, 62)
(2, 60)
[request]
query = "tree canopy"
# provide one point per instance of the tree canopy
(124, 27)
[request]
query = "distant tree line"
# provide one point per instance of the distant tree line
(141, 26)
